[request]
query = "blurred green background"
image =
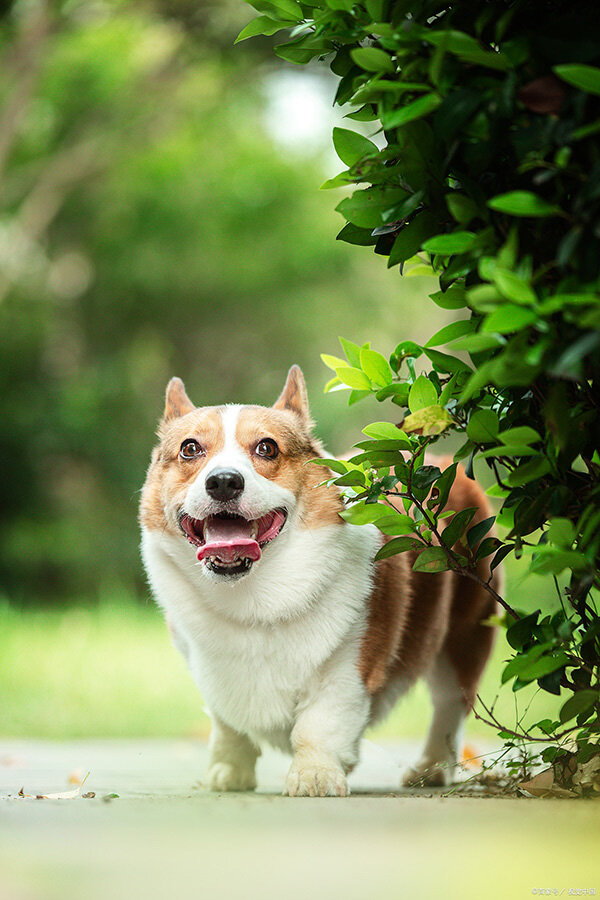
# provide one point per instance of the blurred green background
(159, 215)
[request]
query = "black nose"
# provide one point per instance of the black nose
(224, 484)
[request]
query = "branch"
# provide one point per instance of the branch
(494, 723)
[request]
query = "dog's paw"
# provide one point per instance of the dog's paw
(314, 780)
(429, 775)
(223, 776)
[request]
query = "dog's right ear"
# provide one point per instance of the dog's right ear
(177, 402)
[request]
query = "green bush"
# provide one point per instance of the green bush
(486, 168)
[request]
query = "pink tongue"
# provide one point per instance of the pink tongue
(229, 540)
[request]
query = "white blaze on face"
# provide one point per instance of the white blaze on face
(260, 494)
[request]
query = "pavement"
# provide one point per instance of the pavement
(153, 831)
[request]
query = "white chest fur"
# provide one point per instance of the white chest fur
(255, 648)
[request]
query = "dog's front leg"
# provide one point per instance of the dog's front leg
(331, 718)
(232, 759)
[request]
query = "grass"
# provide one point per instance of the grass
(110, 670)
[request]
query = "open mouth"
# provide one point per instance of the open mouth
(229, 544)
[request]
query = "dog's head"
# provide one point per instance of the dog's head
(229, 479)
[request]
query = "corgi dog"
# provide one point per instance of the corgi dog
(295, 637)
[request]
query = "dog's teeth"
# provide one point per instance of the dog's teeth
(254, 531)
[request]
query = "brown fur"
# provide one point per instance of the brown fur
(414, 615)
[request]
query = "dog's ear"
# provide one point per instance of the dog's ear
(294, 396)
(177, 402)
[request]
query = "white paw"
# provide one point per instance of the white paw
(429, 774)
(314, 780)
(223, 776)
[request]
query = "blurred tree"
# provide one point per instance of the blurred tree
(148, 227)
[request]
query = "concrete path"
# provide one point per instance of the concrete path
(166, 837)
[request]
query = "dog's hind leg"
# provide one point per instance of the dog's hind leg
(453, 681)
(232, 759)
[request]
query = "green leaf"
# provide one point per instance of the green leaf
(521, 435)
(462, 208)
(354, 478)
(578, 703)
(457, 527)
(331, 384)
(561, 533)
(298, 53)
(352, 352)
(365, 208)
(386, 431)
(545, 665)
(398, 545)
(509, 318)
(428, 420)
(476, 343)
(432, 559)
(483, 426)
(479, 531)
(466, 48)
(354, 378)
(332, 362)
(516, 450)
(335, 465)
(356, 396)
(450, 332)
(372, 59)
(554, 561)
(586, 78)
(379, 444)
(447, 244)
(350, 146)
(376, 367)
(453, 298)
(513, 287)
(443, 362)
(422, 394)
(284, 9)
(360, 237)
(342, 179)
(522, 203)
(415, 110)
(410, 239)
(363, 513)
(364, 114)
(260, 25)
(528, 472)
(521, 631)
(398, 393)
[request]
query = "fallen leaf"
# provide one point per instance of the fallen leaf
(540, 785)
(89, 796)
(76, 776)
(470, 758)
(544, 785)
(59, 795)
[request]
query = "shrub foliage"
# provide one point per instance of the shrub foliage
(485, 167)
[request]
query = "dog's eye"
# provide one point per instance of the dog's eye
(267, 448)
(190, 449)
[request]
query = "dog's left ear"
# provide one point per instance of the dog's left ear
(294, 396)
(177, 402)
